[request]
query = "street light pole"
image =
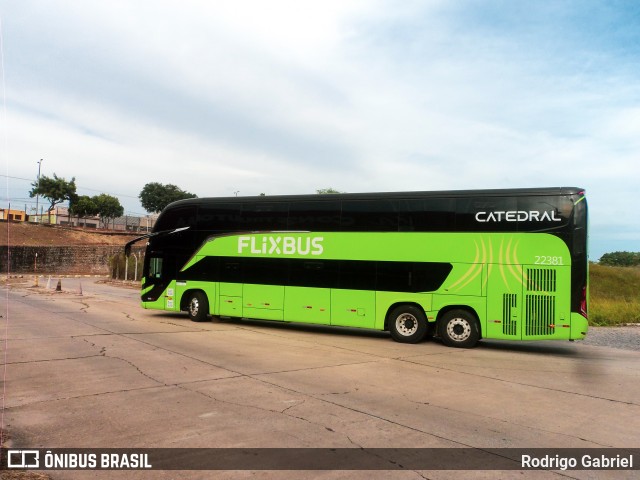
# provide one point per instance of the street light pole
(38, 186)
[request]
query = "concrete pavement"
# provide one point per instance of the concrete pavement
(98, 371)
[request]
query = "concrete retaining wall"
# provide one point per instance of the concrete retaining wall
(82, 259)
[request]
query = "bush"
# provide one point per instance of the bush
(621, 259)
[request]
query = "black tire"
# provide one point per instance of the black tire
(197, 306)
(407, 324)
(459, 328)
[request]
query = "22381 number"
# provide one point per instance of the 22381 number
(548, 260)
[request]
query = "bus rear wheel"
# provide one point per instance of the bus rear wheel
(198, 306)
(407, 324)
(459, 328)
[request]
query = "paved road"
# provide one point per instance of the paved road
(625, 338)
(96, 370)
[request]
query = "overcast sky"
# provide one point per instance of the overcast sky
(286, 97)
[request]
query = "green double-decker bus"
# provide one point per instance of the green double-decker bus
(463, 265)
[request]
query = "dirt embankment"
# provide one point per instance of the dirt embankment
(31, 235)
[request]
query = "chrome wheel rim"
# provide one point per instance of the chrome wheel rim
(406, 324)
(458, 329)
(194, 306)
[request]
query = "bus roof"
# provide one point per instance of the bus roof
(513, 192)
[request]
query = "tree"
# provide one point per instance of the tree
(56, 190)
(621, 259)
(108, 207)
(83, 206)
(155, 196)
(324, 191)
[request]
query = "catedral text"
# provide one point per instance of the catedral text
(517, 216)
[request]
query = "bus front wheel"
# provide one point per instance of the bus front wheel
(459, 328)
(407, 324)
(198, 307)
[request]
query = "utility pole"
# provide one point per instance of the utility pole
(37, 186)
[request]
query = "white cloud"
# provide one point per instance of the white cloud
(288, 97)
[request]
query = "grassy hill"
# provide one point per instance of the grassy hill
(614, 295)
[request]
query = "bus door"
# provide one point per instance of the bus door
(504, 302)
(353, 303)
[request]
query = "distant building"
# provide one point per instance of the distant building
(127, 223)
(62, 217)
(16, 215)
(131, 223)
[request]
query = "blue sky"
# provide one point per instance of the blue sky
(286, 97)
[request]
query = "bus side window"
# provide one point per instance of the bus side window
(316, 274)
(176, 217)
(369, 216)
(357, 275)
(265, 216)
(426, 215)
(231, 272)
(220, 217)
(155, 267)
(314, 215)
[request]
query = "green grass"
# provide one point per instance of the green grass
(614, 295)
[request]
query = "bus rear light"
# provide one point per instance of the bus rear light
(583, 303)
